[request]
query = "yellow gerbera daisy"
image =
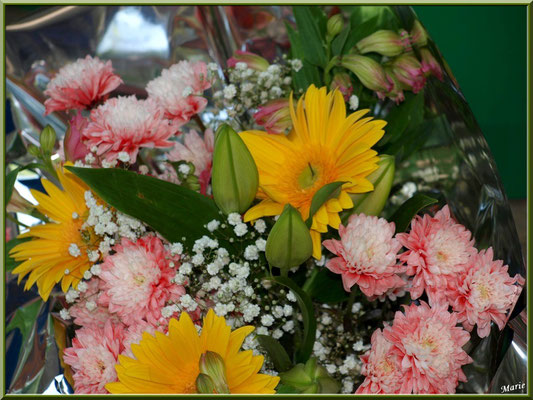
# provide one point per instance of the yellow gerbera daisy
(324, 146)
(58, 250)
(171, 363)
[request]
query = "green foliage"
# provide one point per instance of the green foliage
(311, 27)
(306, 307)
(408, 210)
(11, 178)
(325, 287)
(277, 354)
(177, 213)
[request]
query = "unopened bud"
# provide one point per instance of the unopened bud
(34, 151)
(369, 72)
(372, 203)
(408, 71)
(384, 42)
(310, 378)
(343, 83)
(213, 366)
(335, 25)
(74, 148)
(289, 243)
(430, 65)
(47, 139)
(419, 36)
(235, 177)
(253, 61)
(205, 385)
(275, 116)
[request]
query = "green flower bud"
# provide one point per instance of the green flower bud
(289, 243)
(310, 378)
(372, 203)
(35, 151)
(235, 177)
(205, 385)
(369, 72)
(213, 366)
(384, 42)
(419, 36)
(47, 139)
(335, 25)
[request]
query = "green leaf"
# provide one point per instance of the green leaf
(276, 352)
(360, 31)
(24, 318)
(286, 389)
(407, 211)
(309, 30)
(308, 314)
(337, 46)
(308, 74)
(177, 213)
(409, 114)
(323, 194)
(325, 287)
(11, 178)
(10, 263)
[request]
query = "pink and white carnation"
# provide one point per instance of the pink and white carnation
(382, 368)
(137, 280)
(93, 356)
(198, 151)
(484, 292)
(81, 84)
(366, 255)
(88, 311)
(124, 125)
(430, 346)
(438, 249)
(179, 90)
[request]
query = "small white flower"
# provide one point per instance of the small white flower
(326, 319)
(87, 275)
(213, 225)
(124, 157)
(212, 67)
(74, 250)
(109, 164)
(321, 262)
(267, 320)
(277, 312)
(90, 305)
(260, 226)
(96, 269)
(251, 253)
(188, 303)
(89, 158)
(185, 268)
(288, 326)
(241, 66)
(296, 64)
(67, 271)
(214, 283)
(213, 268)
(331, 368)
(234, 218)
(143, 170)
(229, 92)
(64, 314)
(261, 244)
(247, 87)
(176, 248)
(354, 102)
(262, 330)
(250, 312)
(277, 334)
(75, 215)
(248, 291)
(197, 259)
(184, 169)
(82, 286)
(356, 307)
(358, 346)
(93, 255)
(291, 297)
(240, 229)
(347, 386)
(287, 310)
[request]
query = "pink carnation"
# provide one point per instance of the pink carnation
(81, 85)
(366, 255)
(179, 90)
(125, 124)
(198, 151)
(438, 249)
(137, 280)
(382, 368)
(429, 344)
(484, 292)
(93, 356)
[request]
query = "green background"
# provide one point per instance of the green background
(486, 49)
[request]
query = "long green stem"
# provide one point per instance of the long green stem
(348, 310)
(16, 221)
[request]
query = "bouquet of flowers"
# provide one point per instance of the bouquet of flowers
(268, 226)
